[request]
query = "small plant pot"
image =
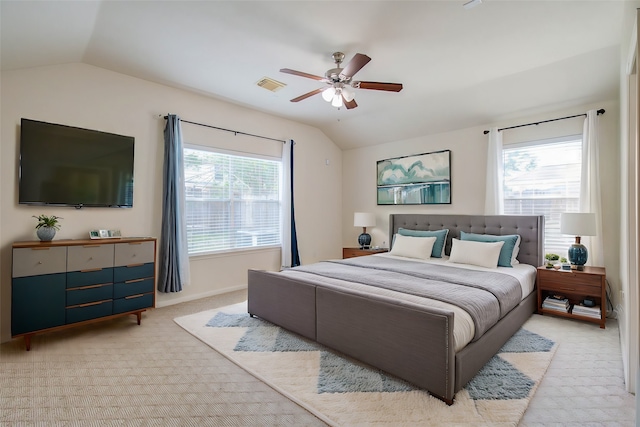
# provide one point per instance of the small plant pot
(46, 234)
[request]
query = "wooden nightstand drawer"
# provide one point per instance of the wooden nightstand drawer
(569, 281)
(354, 252)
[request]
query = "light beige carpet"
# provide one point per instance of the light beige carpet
(343, 392)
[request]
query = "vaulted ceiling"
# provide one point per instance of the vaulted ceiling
(460, 67)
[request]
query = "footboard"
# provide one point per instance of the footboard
(399, 338)
(283, 301)
(406, 340)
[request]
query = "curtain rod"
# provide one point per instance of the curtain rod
(235, 132)
(600, 111)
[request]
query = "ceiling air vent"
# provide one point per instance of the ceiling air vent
(270, 84)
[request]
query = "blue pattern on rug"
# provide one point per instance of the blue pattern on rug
(524, 341)
(497, 380)
(339, 375)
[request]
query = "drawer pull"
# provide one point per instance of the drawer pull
(135, 265)
(91, 246)
(135, 243)
(88, 270)
(89, 287)
(89, 304)
(40, 249)
(134, 280)
(134, 296)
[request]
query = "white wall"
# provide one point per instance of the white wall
(468, 169)
(628, 304)
(86, 96)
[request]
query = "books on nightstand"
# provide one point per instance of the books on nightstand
(557, 303)
(582, 310)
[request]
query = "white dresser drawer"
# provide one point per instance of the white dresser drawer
(39, 260)
(134, 253)
(89, 257)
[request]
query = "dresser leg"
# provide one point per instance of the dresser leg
(27, 342)
(139, 316)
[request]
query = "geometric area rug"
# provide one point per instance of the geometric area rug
(344, 392)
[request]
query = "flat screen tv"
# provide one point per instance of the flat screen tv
(69, 166)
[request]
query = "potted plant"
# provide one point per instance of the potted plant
(47, 226)
(551, 259)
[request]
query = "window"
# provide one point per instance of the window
(232, 200)
(543, 178)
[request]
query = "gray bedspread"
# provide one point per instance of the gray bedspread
(487, 296)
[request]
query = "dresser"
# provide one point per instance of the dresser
(66, 283)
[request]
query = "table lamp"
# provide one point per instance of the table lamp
(364, 220)
(578, 224)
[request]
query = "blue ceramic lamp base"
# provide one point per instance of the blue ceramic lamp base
(578, 255)
(364, 240)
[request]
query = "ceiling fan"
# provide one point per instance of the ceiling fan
(340, 81)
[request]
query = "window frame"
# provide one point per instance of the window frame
(548, 221)
(249, 155)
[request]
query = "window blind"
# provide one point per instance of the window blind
(232, 201)
(543, 178)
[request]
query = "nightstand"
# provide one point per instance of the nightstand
(354, 252)
(575, 286)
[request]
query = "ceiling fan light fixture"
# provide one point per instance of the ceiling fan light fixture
(340, 81)
(337, 100)
(348, 94)
(328, 94)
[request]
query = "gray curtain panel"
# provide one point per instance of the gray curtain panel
(173, 259)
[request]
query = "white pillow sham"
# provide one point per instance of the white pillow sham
(483, 254)
(412, 247)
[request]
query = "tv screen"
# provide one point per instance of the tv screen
(69, 166)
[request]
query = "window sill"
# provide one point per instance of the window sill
(234, 252)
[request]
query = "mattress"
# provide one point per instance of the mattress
(464, 328)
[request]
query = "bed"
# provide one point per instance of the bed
(405, 335)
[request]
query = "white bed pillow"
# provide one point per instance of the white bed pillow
(483, 254)
(412, 247)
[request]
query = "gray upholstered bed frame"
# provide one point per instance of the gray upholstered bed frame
(406, 340)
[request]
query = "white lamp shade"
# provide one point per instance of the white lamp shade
(348, 94)
(364, 219)
(337, 100)
(328, 93)
(578, 224)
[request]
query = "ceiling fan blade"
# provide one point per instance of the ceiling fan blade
(391, 87)
(349, 104)
(301, 74)
(307, 95)
(355, 65)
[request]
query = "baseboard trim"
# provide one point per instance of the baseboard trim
(188, 298)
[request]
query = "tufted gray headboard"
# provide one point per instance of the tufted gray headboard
(529, 227)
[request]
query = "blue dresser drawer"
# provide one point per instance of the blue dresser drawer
(77, 279)
(132, 287)
(122, 274)
(90, 293)
(132, 303)
(89, 311)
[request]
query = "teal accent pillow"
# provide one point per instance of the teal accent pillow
(507, 253)
(440, 235)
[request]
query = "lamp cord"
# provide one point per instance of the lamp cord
(609, 304)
